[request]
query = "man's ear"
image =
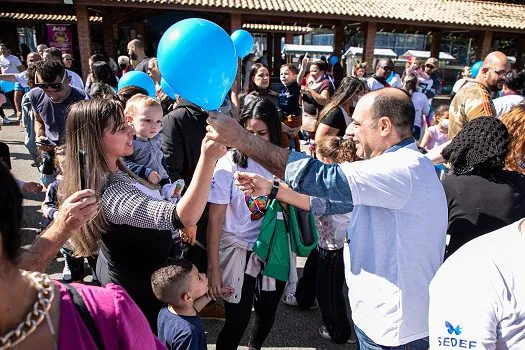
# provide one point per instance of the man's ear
(385, 126)
(129, 119)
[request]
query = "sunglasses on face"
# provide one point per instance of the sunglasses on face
(54, 86)
(388, 68)
(429, 66)
(68, 59)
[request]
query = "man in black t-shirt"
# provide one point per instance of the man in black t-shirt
(137, 54)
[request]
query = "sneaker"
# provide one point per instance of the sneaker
(324, 333)
(289, 299)
(6, 121)
(66, 272)
(213, 312)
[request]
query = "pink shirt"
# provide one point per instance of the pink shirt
(118, 319)
(436, 137)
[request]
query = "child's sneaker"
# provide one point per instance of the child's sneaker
(289, 299)
(66, 272)
(324, 333)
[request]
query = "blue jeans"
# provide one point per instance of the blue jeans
(366, 343)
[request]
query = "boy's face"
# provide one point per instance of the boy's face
(287, 76)
(148, 121)
(197, 284)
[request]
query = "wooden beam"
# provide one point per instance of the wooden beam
(84, 38)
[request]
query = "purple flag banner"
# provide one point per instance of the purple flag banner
(59, 36)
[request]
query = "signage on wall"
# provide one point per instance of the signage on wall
(59, 36)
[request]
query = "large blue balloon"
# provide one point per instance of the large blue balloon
(475, 68)
(197, 59)
(7, 86)
(243, 42)
(140, 79)
(167, 89)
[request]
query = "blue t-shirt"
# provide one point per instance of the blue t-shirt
(289, 99)
(179, 332)
(54, 114)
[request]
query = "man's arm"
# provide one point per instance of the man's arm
(40, 129)
(76, 210)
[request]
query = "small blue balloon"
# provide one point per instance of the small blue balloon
(167, 89)
(390, 77)
(333, 60)
(243, 42)
(140, 79)
(7, 86)
(190, 42)
(475, 68)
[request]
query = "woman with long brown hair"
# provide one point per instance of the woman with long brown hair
(337, 114)
(132, 232)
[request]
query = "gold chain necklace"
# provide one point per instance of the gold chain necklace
(36, 316)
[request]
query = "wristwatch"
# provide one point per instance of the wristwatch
(275, 189)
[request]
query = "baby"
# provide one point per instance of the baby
(148, 161)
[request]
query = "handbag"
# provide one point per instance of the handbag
(302, 230)
(309, 122)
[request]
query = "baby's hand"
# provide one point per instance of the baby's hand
(154, 177)
(227, 291)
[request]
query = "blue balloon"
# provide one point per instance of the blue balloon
(390, 77)
(190, 42)
(475, 68)
(243, 42)
(140, 79)
(333, 60)
(167, 89)
(7, 86)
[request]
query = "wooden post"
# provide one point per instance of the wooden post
(84, 38)
(369, 45)
(436, 44)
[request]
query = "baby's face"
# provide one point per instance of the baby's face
(148, 121)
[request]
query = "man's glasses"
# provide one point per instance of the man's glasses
(501, 73)
(429, 66)
(388, 68)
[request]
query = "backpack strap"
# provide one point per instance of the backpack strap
(85, 315)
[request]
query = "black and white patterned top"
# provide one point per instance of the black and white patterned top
(125, 204)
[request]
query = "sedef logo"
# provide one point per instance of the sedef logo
(453, 342)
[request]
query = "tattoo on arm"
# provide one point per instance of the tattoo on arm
(270, 156)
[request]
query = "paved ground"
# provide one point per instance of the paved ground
(293, 329)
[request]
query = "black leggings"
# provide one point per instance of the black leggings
(238, 315)
(324, 277)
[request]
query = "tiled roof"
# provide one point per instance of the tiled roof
(275, 28)
(44, 17)
(463, 12)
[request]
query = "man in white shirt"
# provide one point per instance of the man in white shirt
(399, 221)
(477, 298)
(512, 93)
(9, 64)
(54, 54)
(378, 81)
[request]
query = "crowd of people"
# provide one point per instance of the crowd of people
(181, 212)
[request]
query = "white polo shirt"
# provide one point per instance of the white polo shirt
(477, 298)
(397, 242)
